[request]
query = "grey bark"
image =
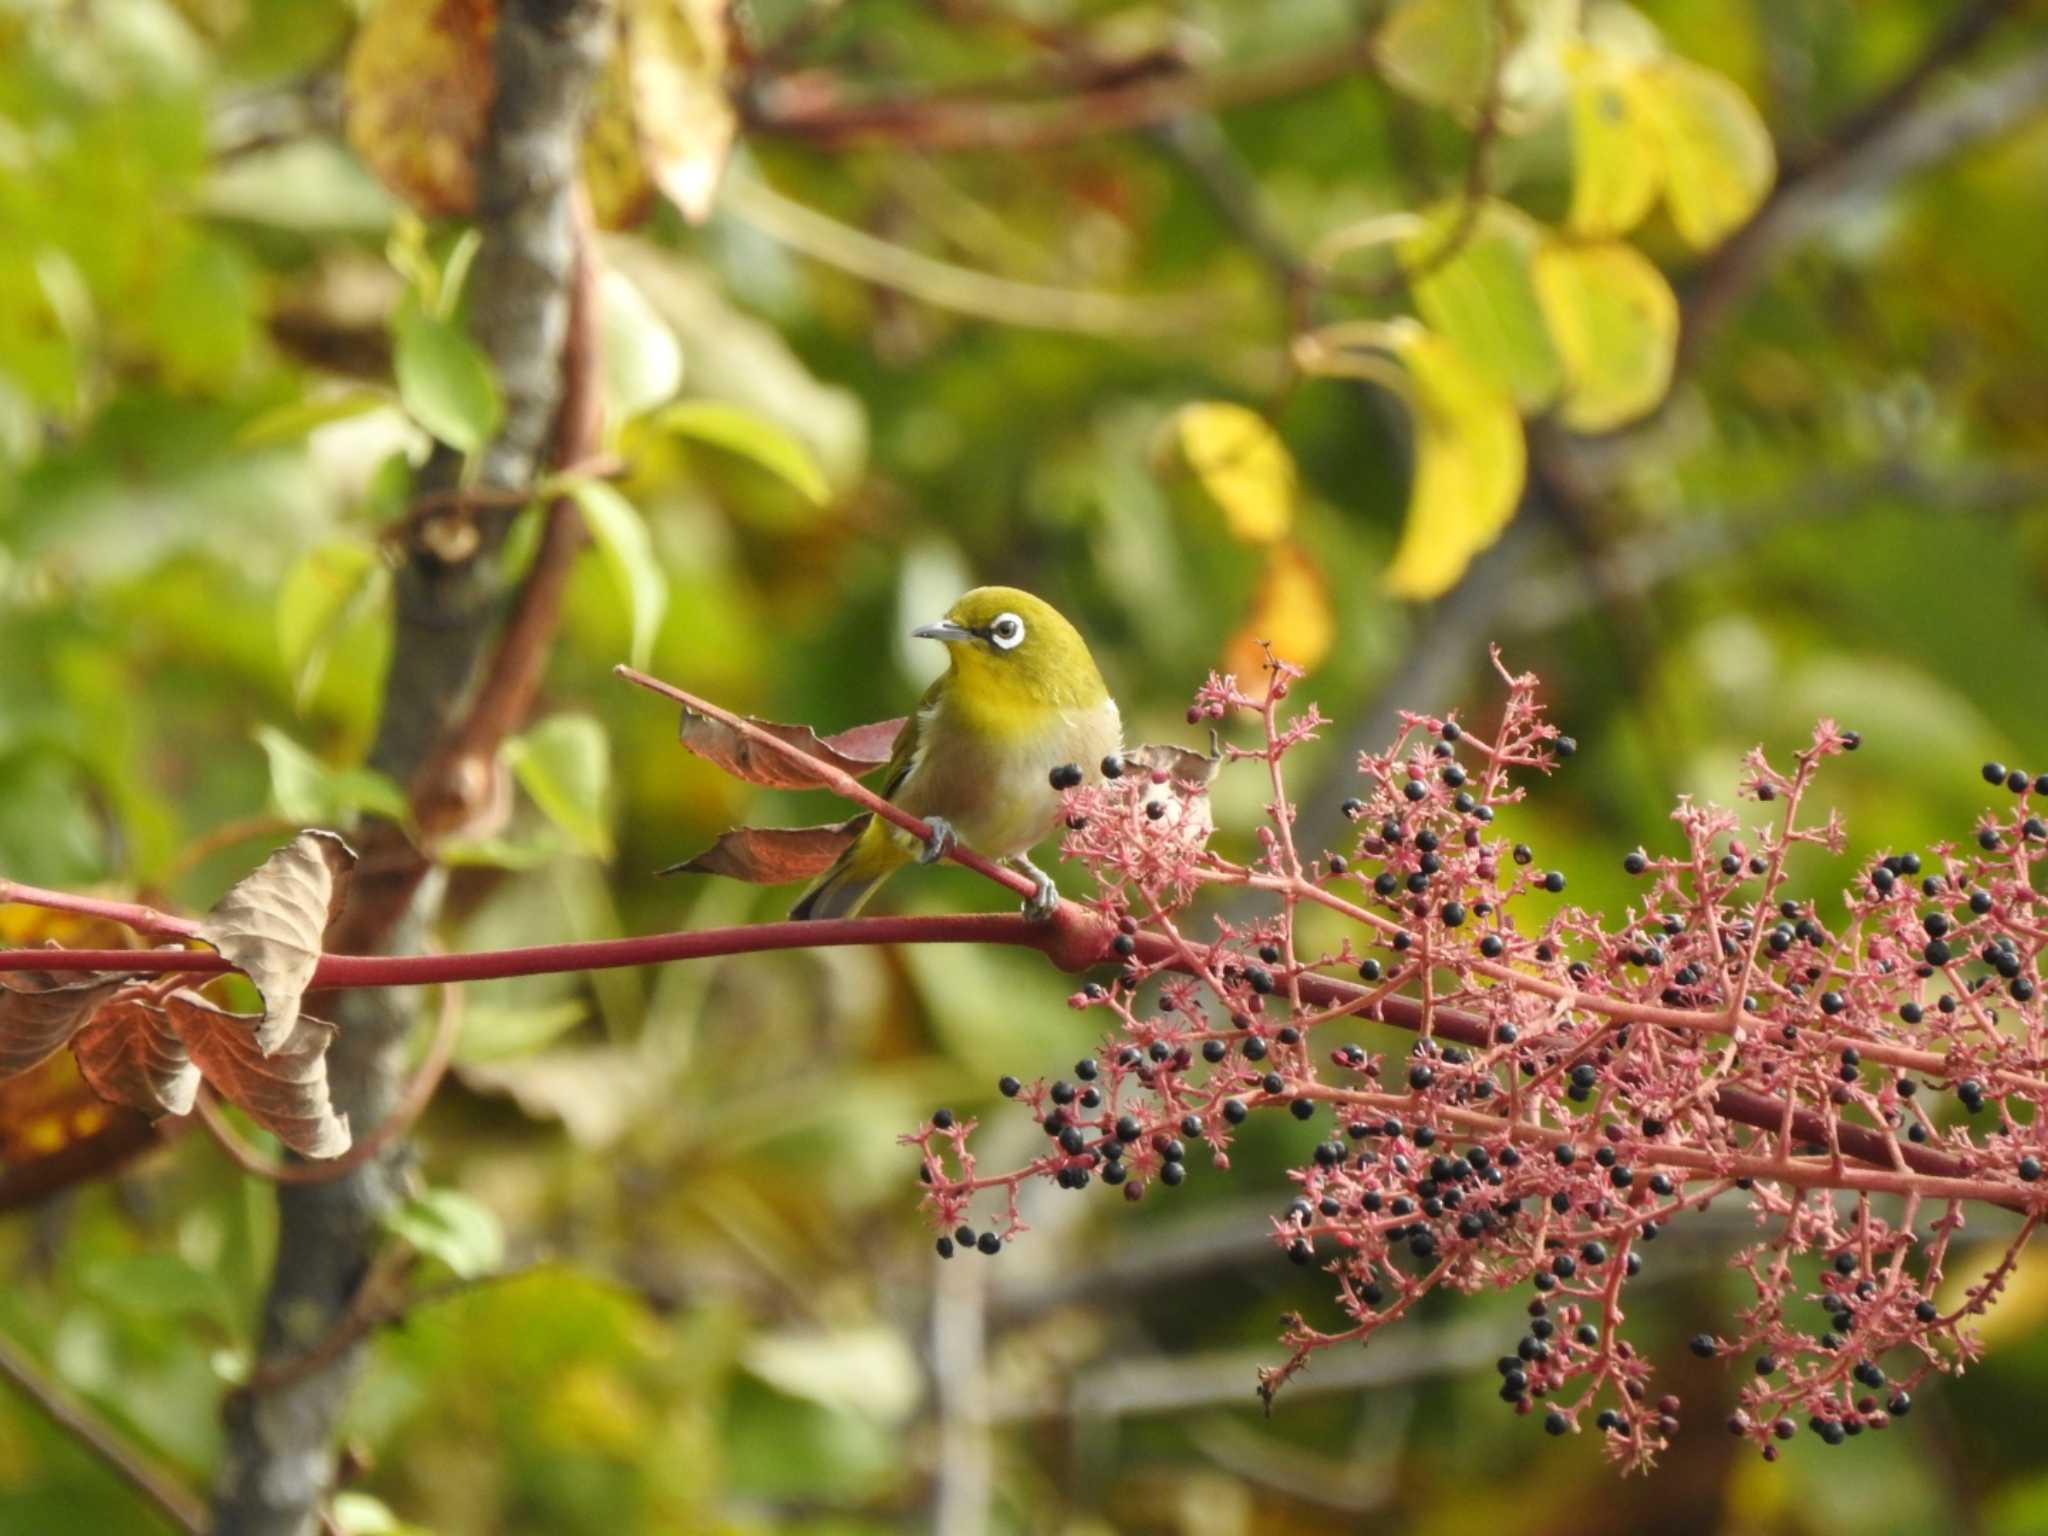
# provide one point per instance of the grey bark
(278, 1468)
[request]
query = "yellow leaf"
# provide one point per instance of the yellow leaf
(1438, 51)
(1243, 464)
(621, 192)
(2018, 1310)
(1616, 169)
(1615, 320)
(1469, 463)
(1717, 154)
(675, 61)
(1291, 611)
(1471, 281)
(416, 91)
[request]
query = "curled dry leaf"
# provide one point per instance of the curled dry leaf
(41, 1010)
(270, 922)
(773, 855)
(1186, 764)
(675, 65)
(283, 1089)
(416, 92)
(131, 1055)
(859, 751)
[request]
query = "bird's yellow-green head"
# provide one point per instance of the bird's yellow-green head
(1010, 647)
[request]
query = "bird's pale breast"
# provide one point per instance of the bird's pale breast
(994, 785)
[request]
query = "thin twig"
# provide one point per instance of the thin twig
(170, 1498)
(963, 289)
(958, 122)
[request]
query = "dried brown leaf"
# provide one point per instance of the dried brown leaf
(1183, 763)
(41, 1010)
(132, 1056)
(773, 855)
(270, 922)
(859, 751)
(284, 1089)
(675, 63)
(416, 92)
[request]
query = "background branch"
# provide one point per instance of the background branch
(525, 310)
(171, 1498)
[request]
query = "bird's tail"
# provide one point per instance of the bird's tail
(845, 888)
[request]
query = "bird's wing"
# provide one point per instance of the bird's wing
(903, 753)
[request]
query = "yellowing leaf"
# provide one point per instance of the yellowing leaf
(1718, 158)
(1472, 283)
(1243, 464)
(415, 93)
(753, 436)
(1469, 462)
(1617, 164)
(1615, 320)
(1291, 611)
(643, 361)
(1438, 51)
(2015, 1313)
(675, 61)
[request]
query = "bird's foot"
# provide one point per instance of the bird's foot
(941, 841)
(1044, 899)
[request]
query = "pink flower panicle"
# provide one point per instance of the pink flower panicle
(1577, 1081)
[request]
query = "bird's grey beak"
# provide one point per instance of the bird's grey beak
(945, 630)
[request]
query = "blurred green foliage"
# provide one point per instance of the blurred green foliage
(725, 1315)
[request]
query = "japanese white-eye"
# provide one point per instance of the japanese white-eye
(1020, 697)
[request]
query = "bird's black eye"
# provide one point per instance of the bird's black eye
(1007, 632)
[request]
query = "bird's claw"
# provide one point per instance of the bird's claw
(1044, 899)
(941, 841)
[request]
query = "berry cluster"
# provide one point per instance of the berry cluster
(1575, 1082)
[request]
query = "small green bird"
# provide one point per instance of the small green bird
(974, 761)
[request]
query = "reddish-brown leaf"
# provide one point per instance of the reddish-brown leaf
(132, 1056)
(773, 855)
(271, 921)
(41, 1010)
(284, 1089)
(859, 751)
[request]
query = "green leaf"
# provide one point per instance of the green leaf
(1243, 465)
(494, 1032)
(448, 1225)
(622, 539)
(1718, 158)
(564, 763)
(307, 791)
(1617, 162)
(643, 361)
(445, 380)
(870, 1371)
(297, 417)
(1615, 320)
(1469, 462)
(1481, 297)
(321, 593)
(752, 436)
(1438, 51)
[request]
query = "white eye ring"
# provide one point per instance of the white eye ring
(1007, 633)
